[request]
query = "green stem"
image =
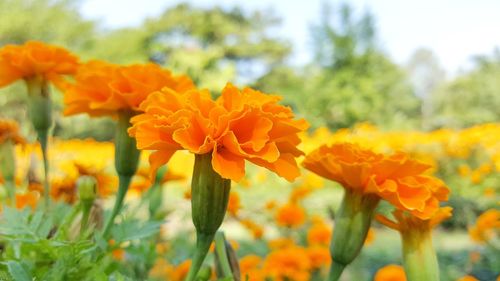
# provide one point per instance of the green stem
(223, 261)
(11, 191)
(203, 243)
(43, 137)
(62, 232)
(124, 182)
(336, 270)
(85, 218)
(419, 257)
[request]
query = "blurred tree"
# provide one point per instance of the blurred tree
(426, 75)
(350, 81)
(471, 98)
(212, 45)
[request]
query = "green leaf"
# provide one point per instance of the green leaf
(18, 272)
(135, 230)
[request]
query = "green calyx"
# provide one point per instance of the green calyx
(419, 257)
(126, 152)
(209, 199)
(352, 223)
(39, 103)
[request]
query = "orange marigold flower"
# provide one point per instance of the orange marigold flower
(281, 243)
(257, 230)
(395, 178)
(64, 189)
(390, 272)
(290, 215)
(102, 88)
(9, 130)
(251, 268)
(319, 234)
(27, 199)
(180, 272)
(319, 256)
(33, 59)
(370, 237)
(406, 222)
(233, 205)
(288, 264)
(486, 227)
(238, 125)
(300, 193)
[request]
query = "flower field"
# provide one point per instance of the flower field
(161, 152)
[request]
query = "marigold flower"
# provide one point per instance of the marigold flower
(9, 131)
(238, 125)
(390, 272)
(290, 215)
(319, 234)
(102, 88)
(319, 256)
(280, 243)
(420, 259)
(256, 230)
(251, 268)
(486, 227)
(27, 199)
(33, 59)
(288, 264)
(368, 177)
(395, 178)
(180, 272)
(234, 204)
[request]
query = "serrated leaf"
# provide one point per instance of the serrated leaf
(18, 272)
(134, 230)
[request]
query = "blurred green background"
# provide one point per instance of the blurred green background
(348, 79)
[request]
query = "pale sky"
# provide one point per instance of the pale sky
(454, 29)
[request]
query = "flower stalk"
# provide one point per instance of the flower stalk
(126, 161)
(209, 199)
(40, 114)
(8, 169)
(352, 223)
(419, 257)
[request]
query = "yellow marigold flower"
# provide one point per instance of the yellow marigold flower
(464, 170)
(9, 131)
(33, 59)
(390, 272)
(270, 205)
(468, 278)
(238, 125)
(288, 264)
(319, 234)
(290, 215)
(395, 178)
(233, 205)
(102, 88)
(486, 227)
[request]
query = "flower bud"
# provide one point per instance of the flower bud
(87, 189)
(126, 152)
